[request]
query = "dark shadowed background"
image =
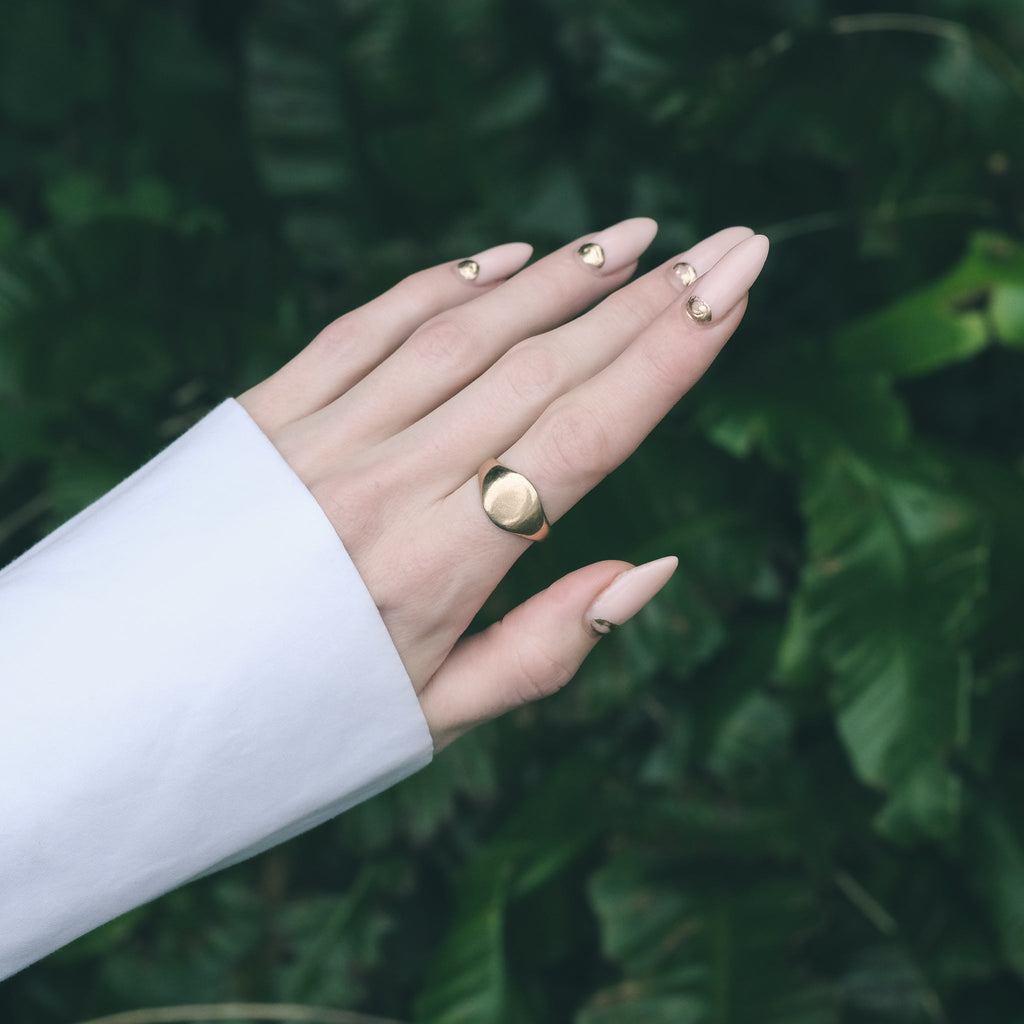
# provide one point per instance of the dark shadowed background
(791, 791)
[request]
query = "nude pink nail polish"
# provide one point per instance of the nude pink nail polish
(699, 258)
(628, 593)
(715, 293)
(618, 246)
(494, 264)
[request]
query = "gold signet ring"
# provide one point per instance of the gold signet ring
(511, 501)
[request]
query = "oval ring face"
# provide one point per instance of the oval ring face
(512, 502)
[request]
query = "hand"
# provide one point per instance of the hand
(387, 415)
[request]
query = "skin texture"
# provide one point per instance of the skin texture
(390, 410)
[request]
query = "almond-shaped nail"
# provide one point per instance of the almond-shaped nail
(618, 246)
(689, 265)
(716, 292)
(627, 594)
(494, 264)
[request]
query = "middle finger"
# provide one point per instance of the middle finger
(496, 409)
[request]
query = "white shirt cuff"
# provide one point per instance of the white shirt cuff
(191, 670)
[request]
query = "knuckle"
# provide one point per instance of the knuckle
(665, 364)
(576, 440)
(532, 372)
(398, 572)
(631, 309)
(542, 672)
(418, 289)
(446, 341)
(353, 503)
(337, 336)
(568, 289)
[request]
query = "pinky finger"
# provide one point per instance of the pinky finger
(349, 348)
(538, 647)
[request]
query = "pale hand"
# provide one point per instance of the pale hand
(387, 415)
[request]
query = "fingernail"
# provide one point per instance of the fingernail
(717, 291)
(618, 246)
(494, 264)
(628, 593)
(689, 265)
(685, 273)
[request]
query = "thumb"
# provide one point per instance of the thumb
(537, 648)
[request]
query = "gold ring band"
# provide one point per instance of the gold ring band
(511, 502)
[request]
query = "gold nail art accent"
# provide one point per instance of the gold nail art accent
(686, 273)
(602, 627)
(592, 254)
(469, 270)
(699, 310)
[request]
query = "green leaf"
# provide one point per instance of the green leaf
(103, 941)
(948, 321)
(470, 977)
(1007, 309)
(897, 564)
(807, 412)
(77, 198)
(884, 981)
(693, 940)
(644, 921)
(663, 1000)
(753, 738)
(419, 808)
(996, 841)
(468, 981)
(921, 333)
(334, 939)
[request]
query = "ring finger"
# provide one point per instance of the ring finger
(590, 430)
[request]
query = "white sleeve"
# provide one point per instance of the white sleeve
(191, 670)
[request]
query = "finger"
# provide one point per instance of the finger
(585, 434)
(456, 346)
(347, 349)
(538, 647)
(494, 411)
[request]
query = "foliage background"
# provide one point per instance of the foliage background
(789, 792)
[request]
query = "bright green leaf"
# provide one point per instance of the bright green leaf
(897, 566)
(947, 321)
(1008, 312)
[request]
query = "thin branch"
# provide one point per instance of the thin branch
(865, 903)
(920, 24)
(886, 213)
(283, 1012)
(952, 31)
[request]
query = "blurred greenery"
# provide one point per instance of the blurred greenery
(791, 790)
